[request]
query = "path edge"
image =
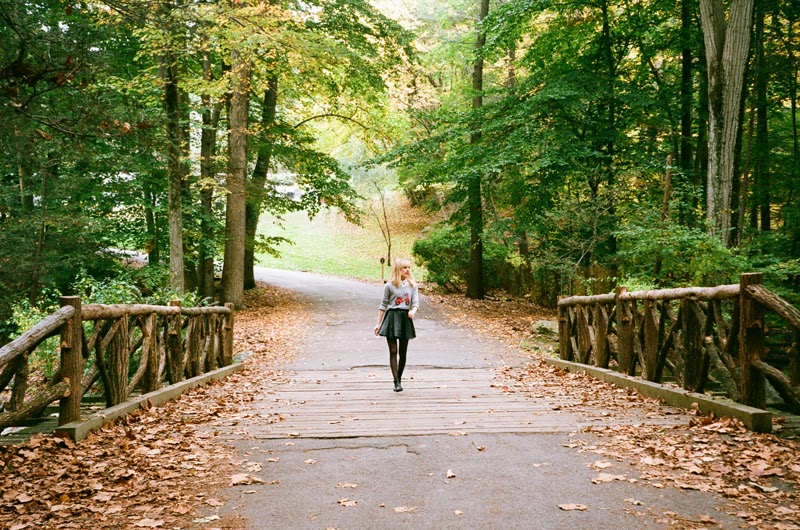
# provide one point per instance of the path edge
(757, 420)
(80, 429)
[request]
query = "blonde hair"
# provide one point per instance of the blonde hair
(399, 263)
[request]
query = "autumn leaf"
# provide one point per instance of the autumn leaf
(606, 477)
(149, 523)
(244, 479)
(571, 507)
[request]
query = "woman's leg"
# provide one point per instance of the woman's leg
(402, 351)
(392, 342)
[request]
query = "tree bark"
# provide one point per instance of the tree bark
(475, 287)
(169, 71)
(233, 266)
(255, 190)
(761, 170)
(727, 46)
(151, 223)
(686, 87)
(208, 153)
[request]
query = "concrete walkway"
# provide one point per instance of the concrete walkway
(453, 450)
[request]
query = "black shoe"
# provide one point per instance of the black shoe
(397, 387)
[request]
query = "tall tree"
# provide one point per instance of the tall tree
(233, 265)
(761, 169)
(727, 44)
(475, 287)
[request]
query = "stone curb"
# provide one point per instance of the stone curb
(756, 420)
(78, 430)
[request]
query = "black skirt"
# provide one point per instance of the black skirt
(397, 325)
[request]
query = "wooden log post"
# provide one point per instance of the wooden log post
(20, 382)
(174, 345)
(227, 342)
(625, 332)
(651, 346)
(692, 331)
(150, 381)
(584, 334)
(601, 349)
(563, 332)
(117, 363)
(751, 343)
(69, 407)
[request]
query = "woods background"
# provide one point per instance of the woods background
(561, 147)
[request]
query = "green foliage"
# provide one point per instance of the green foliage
(689, 256)
(444, 252)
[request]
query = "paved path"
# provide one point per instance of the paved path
(453, 450)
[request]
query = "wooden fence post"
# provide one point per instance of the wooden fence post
(650, 348)
(150, 381)
(69, 407)
(751, 342)
(624, 333)
(692, 330)
(600, 336)
(227, 354)
(175, 346)
(563, 332)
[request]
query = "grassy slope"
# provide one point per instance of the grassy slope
(329, 244)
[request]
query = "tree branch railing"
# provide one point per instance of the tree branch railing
(696, 335)
(116, 349)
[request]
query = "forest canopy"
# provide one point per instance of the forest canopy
(569, 146)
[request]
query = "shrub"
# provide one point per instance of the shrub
(445, 254)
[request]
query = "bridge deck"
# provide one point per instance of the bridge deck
(360, 403)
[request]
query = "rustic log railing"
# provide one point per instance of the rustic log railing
(696, 334)
(116, 348)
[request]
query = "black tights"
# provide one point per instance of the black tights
(397, 365)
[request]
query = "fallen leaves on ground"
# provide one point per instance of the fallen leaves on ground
(156, 467)
(757, 474)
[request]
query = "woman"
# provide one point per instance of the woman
(396, 316)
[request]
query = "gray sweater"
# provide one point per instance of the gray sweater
(403, 297)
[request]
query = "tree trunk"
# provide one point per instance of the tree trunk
(255, 190)
(701, 159)
(737, 193)
(686, 99)
(151, 224)
(169, 71)
(233, 266)
(610, 133)
(475, 287)
(208, 152)
(761, 180)
(26, 195)
(727, 46)
(795, 139)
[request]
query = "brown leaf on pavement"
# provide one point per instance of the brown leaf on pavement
(571, 507)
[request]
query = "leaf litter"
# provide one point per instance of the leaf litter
(157, 467)
(757, 475)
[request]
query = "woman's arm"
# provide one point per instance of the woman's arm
(414, 303)
(380, 320)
